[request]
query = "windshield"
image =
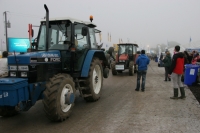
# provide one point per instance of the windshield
(59, 36)
(126, 49)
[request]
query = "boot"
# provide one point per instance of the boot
(182, 93)
(175, 94)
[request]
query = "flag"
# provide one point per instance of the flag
(190, 39)
(119, 40)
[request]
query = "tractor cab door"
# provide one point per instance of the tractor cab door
(82, 45)
(93, 41)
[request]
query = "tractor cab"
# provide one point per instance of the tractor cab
(125, 58)
(72, 37)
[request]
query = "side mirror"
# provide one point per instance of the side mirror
(84, 31)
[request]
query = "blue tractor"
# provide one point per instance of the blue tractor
(65, 58)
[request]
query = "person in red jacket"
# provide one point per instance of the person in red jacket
(176, 71)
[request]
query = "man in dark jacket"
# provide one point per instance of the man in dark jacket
(176, 72)
(142, 62)
(167, 63)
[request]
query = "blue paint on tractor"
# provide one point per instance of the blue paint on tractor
(26, 58)
(13, 91)
(36, 90)
(72, 98)
(87, 62)
(16, 90)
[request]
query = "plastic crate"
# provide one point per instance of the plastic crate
(190, 75)
(13, 91)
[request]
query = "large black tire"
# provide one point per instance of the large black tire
(94, 81)
(8, 111)
(108, 60)
(131, 68)
(105, 72)
(54, 97)
(114, 72)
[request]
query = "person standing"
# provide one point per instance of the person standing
(176, 71)
(4, 64)
(142, 62)
(167, 63)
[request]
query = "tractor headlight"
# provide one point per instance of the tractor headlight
(13, 74)
(23, 74)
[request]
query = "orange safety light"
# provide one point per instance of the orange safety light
(91, 18)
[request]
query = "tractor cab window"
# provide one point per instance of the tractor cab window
(134, 49)
(81, 42)
(59, 36)
(127, 49)
(123, 49)
(93, 38)
(42, 38)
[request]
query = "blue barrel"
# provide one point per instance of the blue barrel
(190, 74)
(156, 59)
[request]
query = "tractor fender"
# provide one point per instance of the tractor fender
(88, 59)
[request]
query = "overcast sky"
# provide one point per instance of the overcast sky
(146, 22)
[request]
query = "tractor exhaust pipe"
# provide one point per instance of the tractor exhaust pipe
(47, 26)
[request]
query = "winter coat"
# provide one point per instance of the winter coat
(167, 61)
(178, 62)
(142, 62)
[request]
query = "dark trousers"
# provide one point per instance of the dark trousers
(139, 75)
(166, 73)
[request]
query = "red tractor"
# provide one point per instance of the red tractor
(125, 59)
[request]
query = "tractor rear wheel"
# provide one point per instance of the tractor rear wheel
(114, 71)
(8, 111)
(131, 68)
(59, 97)
(94, 81)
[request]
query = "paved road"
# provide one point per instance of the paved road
(120, 109)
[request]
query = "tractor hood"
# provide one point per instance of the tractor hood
(35, 57)
(123, 57)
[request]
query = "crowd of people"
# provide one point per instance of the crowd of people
(174, 68)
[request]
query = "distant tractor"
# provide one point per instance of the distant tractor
(125, 59)
(66, 58)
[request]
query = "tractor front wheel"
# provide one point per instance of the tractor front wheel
(94, 81)
(59, 97)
